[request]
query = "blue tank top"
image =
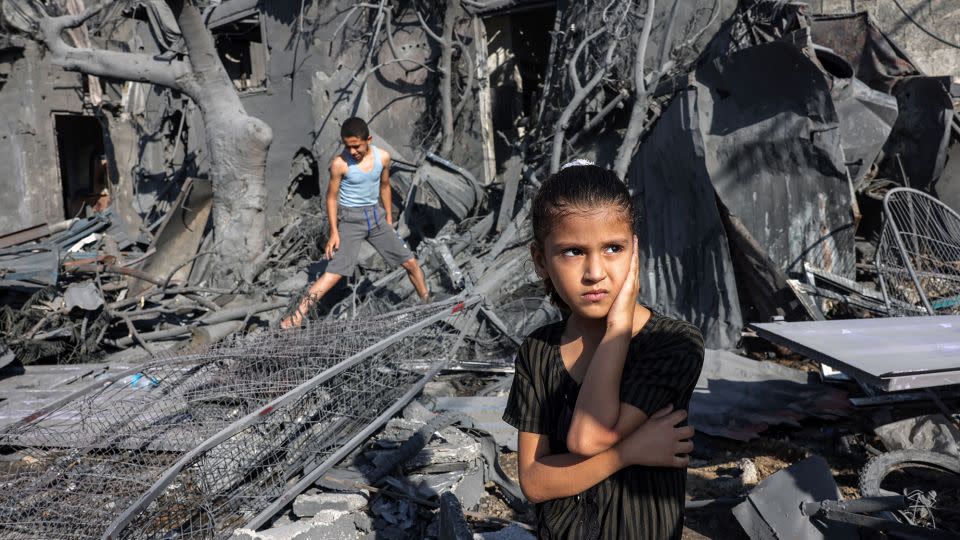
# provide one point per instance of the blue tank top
(359, 187)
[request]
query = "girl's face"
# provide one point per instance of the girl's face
(586, 256)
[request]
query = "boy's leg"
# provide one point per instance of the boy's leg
(416, 277)
(316, 291)
(353, 230)
(394, 250)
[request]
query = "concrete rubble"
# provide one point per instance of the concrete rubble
(796, 164)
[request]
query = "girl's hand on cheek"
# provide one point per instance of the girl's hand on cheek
(620, 316)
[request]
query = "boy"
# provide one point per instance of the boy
(357, 177)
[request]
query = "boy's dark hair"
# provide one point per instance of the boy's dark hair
(354, 127)
(577, 188)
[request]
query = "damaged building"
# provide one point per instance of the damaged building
(797, 166)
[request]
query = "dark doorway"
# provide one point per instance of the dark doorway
(518, 49)
(243, 53)
(83, 171)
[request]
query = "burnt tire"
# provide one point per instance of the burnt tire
(879, 468)
(872, 475)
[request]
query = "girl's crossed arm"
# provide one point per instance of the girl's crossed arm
(545, 476)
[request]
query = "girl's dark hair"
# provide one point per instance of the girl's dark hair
(572, 189)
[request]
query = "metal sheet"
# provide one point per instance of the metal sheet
(895, 353)
(686, 268)
(179, 236)
(24, 235)
(866, 119)
(773, 152)
(738, 398)
(774, 505)
(876, 60)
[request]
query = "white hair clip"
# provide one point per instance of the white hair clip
(577, 163)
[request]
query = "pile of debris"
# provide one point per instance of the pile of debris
(93, 290)
(201, 443)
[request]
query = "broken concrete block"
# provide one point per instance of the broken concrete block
(470, 487)
(337, 526)
(439, 388)
(467, 485)
(342, 528)
(327, 516)
(294, 531)
(308, 505)
(929, 432)
(363, 522)
(486, 412)
(397, 431)
(454, 447)
(418, 412)
(749, 475)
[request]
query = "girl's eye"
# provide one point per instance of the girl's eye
(572, 252)
(614, 249)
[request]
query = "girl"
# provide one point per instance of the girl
(599, 398)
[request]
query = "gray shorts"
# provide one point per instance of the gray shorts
(358, 223)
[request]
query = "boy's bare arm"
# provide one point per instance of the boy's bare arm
(386, 195)
(545, 476)
(337, 169)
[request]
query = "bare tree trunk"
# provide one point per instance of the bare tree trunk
(446, 74)
(238, 143)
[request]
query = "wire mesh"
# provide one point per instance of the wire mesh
(194, 446)
(918, 256)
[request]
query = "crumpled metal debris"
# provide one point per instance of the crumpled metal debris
(772, 509)
(85, 296)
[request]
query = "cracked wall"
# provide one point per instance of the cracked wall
(34, 91)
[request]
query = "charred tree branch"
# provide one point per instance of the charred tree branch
(446, 74)
(580, 94)
(128, 66)
(135, 335)
(471, 75)
(600, 116)
(378, 23)
(224, 315)
(640, 101)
